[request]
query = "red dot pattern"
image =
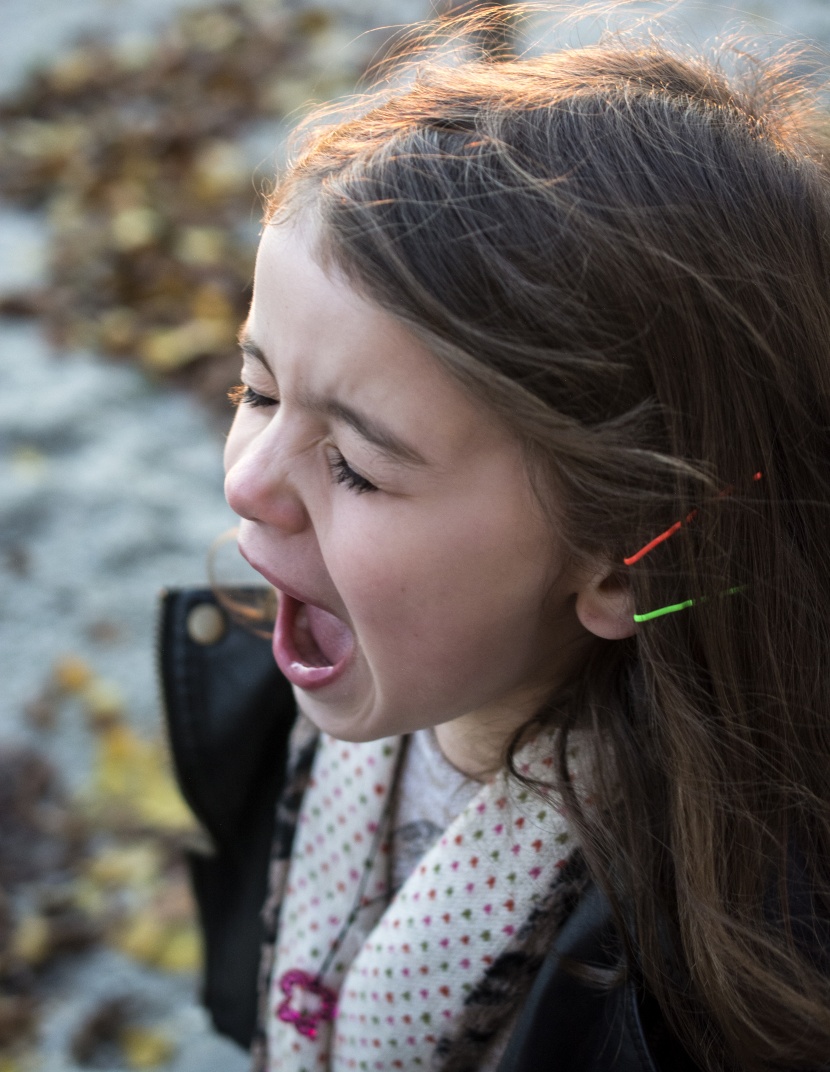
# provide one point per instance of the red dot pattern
(406, 969)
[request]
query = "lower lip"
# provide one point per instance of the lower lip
(287, 657)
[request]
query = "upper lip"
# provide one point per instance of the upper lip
(278, 582)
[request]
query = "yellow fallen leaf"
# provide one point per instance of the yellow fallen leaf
(71, 673)
(201, 246)
(221, 168)
(142, 937)
(39, 139)
(118, 752)
(90, 898)
(144, 1048)
(127, 865)
(31, 940)
(103, 701)
(74, 70)
(171, 348)
(181, 950)
(159, 802)
(133, 228)
(148, 939)
(210, 302)
(133, 779)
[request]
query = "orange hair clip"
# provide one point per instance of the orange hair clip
(675, 528)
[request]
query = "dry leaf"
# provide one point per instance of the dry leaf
(133, 776)
(71, 673)
(103, 702)
(141, 937)
(145, 1048)
(133, 228)
(181, 950)
(138, 155)
(31, 940)
(125, 865)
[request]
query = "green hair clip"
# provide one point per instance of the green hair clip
(674, 607)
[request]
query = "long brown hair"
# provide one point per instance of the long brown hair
(626, 253)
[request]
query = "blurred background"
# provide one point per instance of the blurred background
(136, 137)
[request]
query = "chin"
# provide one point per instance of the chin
(351, 728)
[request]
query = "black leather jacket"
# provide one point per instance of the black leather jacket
(229, 712)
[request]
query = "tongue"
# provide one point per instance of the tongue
(331, 636)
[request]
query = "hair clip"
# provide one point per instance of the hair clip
(670, 532)
(674, 607)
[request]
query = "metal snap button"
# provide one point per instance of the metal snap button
(206, 624)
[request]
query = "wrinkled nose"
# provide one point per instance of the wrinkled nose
(259, 485)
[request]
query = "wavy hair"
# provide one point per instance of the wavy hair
(625, 252)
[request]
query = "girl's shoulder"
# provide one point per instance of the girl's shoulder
(590, 1027)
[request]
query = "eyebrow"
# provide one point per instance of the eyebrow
(367, 427)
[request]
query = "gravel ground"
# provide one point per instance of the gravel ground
(110, 489)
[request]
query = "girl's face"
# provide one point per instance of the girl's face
(420, 582)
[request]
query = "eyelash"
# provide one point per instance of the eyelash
(243, 395)
(344, 474)
(340, 468)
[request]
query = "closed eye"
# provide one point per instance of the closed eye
(244, 395)
(344, 474)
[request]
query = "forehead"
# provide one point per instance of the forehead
(302, 309)
(320, 336)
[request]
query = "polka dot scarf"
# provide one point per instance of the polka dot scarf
(408, 969)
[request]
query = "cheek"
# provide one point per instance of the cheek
(373, 580)
(468, 588)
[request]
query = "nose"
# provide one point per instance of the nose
(259, 485)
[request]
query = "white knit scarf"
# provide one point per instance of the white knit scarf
(404, 967)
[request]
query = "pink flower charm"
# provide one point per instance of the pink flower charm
(304, 1019)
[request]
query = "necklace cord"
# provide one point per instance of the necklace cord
(357, 907)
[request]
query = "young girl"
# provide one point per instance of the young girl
(532, 443)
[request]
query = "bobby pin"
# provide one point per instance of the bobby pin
(665, 536)
(674, 607)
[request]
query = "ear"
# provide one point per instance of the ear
(605, 605)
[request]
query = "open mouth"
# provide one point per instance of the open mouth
(311, 646)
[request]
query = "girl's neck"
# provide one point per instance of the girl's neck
(475, 743)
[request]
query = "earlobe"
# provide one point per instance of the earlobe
(605, 607)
